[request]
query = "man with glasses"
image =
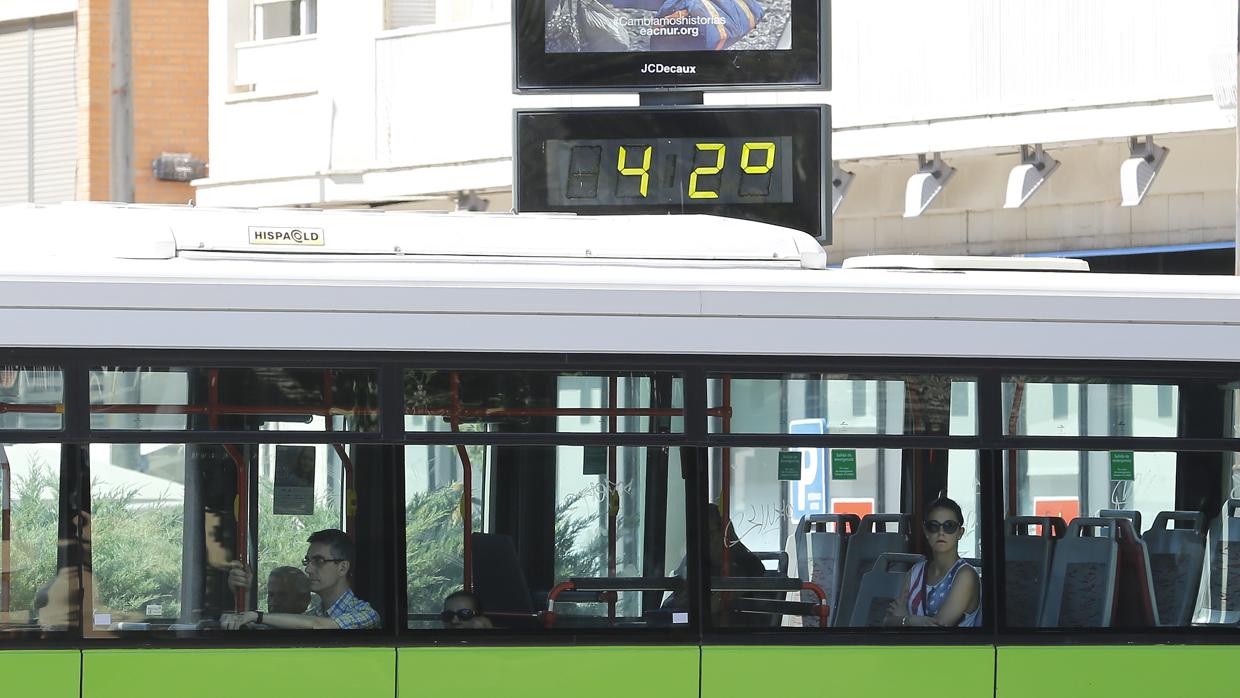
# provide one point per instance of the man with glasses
(329, 566)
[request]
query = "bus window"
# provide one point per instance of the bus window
(1120, 539)
(31, 398)
(38, 581)
(234, 399)
(866, 537)
(191, 537)
(434, 525)
(1038, 406)
(543, 401)
(558, 537)
(843, 404)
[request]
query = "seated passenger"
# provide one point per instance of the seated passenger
(741, 563)
(462, 611)
(329, 565)
(945, 591)
(288, 591)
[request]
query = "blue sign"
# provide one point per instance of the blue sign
(809, 495)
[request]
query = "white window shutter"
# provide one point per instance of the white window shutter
(55, 110)
(14, 112)
(410, 13)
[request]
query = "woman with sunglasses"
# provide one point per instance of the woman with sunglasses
(461, 611)
(944, 591)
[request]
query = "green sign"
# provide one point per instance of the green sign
(790, 465)
(595, 461)
(1121, 465)
(843, 464)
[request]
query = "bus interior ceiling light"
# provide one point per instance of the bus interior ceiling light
(1034, 169)
(1137, 173)
(841, 180)
(932, 175)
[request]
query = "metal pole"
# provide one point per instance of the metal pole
(120, 180)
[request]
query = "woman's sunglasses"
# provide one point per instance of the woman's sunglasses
(462, 614)
(949, 527)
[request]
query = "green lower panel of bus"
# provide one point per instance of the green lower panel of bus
(52, 674)
(748, 672)
(211, 673)
(549, 672)
(1091, 672)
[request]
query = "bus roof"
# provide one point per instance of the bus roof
(128, 231)
(465, 299)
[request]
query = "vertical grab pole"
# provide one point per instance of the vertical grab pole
(349, 505)
(6, 537)
(725, 478)
(241, 504)
(1018, 396)
(467, 480)
(613, 490)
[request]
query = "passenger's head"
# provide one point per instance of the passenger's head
(461, 610)
(329, 559)
(944, 525)
(288, 590)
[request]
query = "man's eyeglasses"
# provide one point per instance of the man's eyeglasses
(949, 527)
(461, 614)
(318, 561)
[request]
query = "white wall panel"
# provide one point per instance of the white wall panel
(973, 57)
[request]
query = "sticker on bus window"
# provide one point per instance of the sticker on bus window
(843, 464)
(680, 618)
(1122, 465)
(294, 487)
(594, 461)
(790, 465)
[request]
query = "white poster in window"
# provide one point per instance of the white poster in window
(294, 491)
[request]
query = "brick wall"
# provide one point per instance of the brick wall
(169, 59)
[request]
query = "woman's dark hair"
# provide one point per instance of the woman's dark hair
(462, 594)
(945, 503)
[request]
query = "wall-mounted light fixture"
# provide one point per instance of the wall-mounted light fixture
(841, 180)
(925, 186)
(1034, 169)
(1137, 173)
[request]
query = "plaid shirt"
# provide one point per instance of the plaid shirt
(349, 612)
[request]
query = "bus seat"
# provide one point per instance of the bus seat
(870, 542)
(1028, 565)
(1219, 597)
(1080, 592)
(1134, 585)
(779, 557)
(879, 587)
(819, 554)
(1131, 514)
(1176, 557)
(499, 582)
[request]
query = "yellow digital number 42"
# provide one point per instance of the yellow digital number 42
(721, 151)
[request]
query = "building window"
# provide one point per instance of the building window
(277, 19)
(418, 13)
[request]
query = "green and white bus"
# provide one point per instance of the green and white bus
(596, 426)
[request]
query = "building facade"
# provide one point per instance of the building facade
(405, 103)
(56, 91)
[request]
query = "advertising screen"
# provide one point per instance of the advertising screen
(574, 26)
(619, 45)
